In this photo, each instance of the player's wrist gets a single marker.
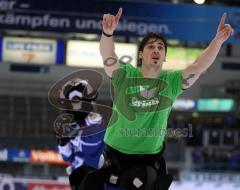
(63, 141)
(217, 41)
(106, 34)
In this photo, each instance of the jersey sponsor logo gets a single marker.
(144, 95)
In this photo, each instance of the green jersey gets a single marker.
(141, 108)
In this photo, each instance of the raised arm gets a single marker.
(107, 48)
(206, 59)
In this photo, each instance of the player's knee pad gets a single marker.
(138, 178)
(96, 179)
(162, 182)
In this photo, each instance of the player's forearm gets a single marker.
(206, 59)
(107, 48)
(65, 151)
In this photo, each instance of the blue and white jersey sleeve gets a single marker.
(84, 150)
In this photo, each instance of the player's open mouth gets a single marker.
(155, 59)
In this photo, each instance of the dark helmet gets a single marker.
(79, 90)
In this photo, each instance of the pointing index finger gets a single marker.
(119, 14)
(223, 19)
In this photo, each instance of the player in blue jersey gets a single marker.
(83, 152)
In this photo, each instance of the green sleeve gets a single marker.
(121, 74)
(175, 80)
